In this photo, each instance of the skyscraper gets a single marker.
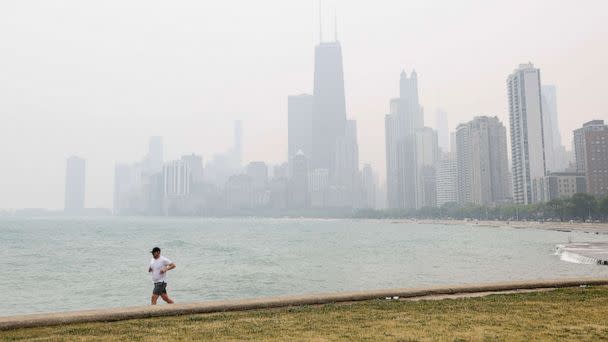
(443, 134)
(74, 184)
(318, 187)
(258, 172)
(554, 150)
(402, 164)
(481, 146)
(409, 105)
(177, 180)
(195, 165)
(527, 137)
(299, 124)
(298, 182)
(319, 134)
(447, 179)
(123, 188)
(177, 187)
(463, 164)
(591, 147)
(154, 160)
(369, 184)
(427, 149)
(393, 181)
(329, 108)
(580, 145)
(346, 168)
(427, 153)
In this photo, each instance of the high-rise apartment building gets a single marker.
(482, 164)
(447, 179)
(591, 148)
(580, 145)
(176, 179)
(464, 161)
(527, 137)
(74, 184)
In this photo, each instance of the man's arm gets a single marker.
(168, 268)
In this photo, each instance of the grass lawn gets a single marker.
(567, 314)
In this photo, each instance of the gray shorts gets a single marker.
(160, 288)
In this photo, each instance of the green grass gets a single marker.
(576, 314)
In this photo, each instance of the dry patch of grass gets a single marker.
(566, 314)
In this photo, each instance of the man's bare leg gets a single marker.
(166, 298)
(154, 299)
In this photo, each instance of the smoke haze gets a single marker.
(98, 78)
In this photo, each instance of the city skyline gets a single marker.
(104, 129)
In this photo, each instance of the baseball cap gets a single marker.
(155, 249)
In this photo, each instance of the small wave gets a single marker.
(583, 253)
(576, 258)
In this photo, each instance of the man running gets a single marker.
(159, 265)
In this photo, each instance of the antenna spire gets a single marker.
(335, 25)
(320, 22)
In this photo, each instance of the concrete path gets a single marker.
(118, 314)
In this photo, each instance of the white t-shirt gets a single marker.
(156, 265)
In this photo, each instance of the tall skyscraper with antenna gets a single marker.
(319, 121)
(329, 108)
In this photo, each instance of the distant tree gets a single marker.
(603, 208)
(582, 205)
(558, 207)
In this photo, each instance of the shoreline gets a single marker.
(591, 228)
(129, 313)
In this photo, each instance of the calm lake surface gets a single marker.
(64, 264)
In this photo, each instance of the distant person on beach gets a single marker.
(159, 265)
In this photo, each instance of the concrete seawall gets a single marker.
(119, 314)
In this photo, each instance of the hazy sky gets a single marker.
(97, 78)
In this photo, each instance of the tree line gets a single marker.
(579, 207)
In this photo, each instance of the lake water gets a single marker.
(72, 264)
